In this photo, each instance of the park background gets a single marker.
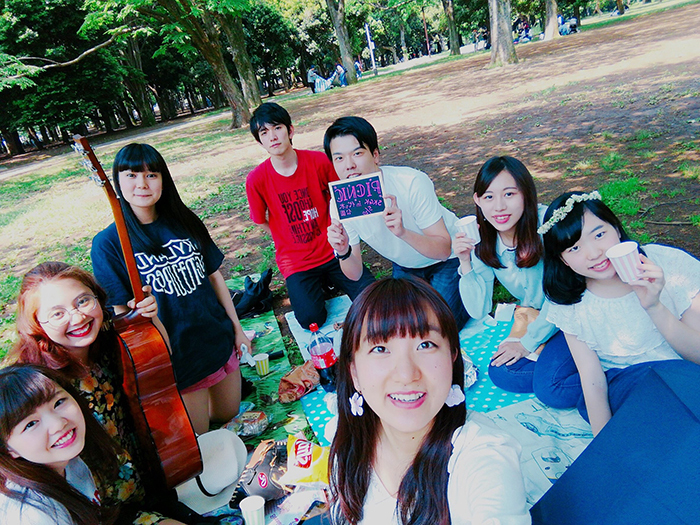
(615, 107)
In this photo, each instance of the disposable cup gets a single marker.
(262, 364)
(624, 258)
(253, 510)
(467, 225)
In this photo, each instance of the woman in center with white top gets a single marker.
(405, 451)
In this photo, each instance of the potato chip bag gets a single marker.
(306, 462)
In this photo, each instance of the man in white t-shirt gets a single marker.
(415, 230)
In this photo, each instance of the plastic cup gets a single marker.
(253, 510)
(467, 225)
(624, 258)
(262, 364)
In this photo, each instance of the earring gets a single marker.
(356, 402)
(455, 397)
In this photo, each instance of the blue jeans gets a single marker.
(555, 380)
(444, 278)
(306, 292)
(553, 377)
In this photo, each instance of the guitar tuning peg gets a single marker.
(96, 179)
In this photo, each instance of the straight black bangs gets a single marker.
(22, 390)
(136, 157)
(397, 308)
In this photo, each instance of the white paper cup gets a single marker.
(262, 364)
(624, 258)
(467, 225)
(253, 509)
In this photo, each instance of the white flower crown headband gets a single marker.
(560, 213)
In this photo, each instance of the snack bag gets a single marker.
(248, 424)
(262, 476)
(306, 462)
(301, 380)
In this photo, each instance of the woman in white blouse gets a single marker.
(405, 450)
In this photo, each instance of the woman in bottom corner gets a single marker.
(405, 451)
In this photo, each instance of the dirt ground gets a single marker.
(608, 104)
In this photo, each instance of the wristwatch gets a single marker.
(343, 257)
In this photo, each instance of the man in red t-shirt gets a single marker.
(288, 196)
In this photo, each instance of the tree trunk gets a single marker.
(448, 5)
(136, 84)
(402, 36)
(336, 9)
(285, 82)
(126, 116)
(233, 28)
(47, 135)
(105, 112)
(14, 144)
(551, 24)
(620, 6)
(205, 37)
(35, 139)
(577, 15)
(392, 50)
(502, 48)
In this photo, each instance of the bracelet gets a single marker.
(343, 257)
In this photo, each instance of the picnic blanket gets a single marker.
(286, 418)
(551, 439)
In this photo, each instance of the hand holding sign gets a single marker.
(393, 218)
(357, 197)
(338, 237)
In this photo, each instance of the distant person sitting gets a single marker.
(415, 230)
(288, 196)
(311, 77)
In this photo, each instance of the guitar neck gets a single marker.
(101, 179)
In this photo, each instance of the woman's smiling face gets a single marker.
(587, 256)
(405, 380)
(502, 204)
(52, 435)
(81, 328)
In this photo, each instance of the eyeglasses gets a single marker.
(59, 316)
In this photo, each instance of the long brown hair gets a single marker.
(529, 248)
(34, 345)
(386, 309)
(23, 388)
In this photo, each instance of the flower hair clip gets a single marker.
(561, 213)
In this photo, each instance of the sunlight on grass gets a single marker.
(690, 171)
(613, 161)
(622, 195)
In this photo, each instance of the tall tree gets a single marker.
(270, 37)
(135, 79)
(551, 29)
(448, 6)
(502, 48)
(199, 23)
(233, 28)
(336, 8)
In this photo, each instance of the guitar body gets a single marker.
(163, 427)
(162, 424)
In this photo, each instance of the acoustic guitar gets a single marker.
(163, 427)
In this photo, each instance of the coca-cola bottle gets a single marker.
(323, 357)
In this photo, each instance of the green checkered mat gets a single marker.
(287, 418)
(484, 396)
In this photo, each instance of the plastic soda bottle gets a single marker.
(323, 357)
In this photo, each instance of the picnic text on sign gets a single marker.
(357, 197)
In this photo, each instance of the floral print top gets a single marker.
(101, 388)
